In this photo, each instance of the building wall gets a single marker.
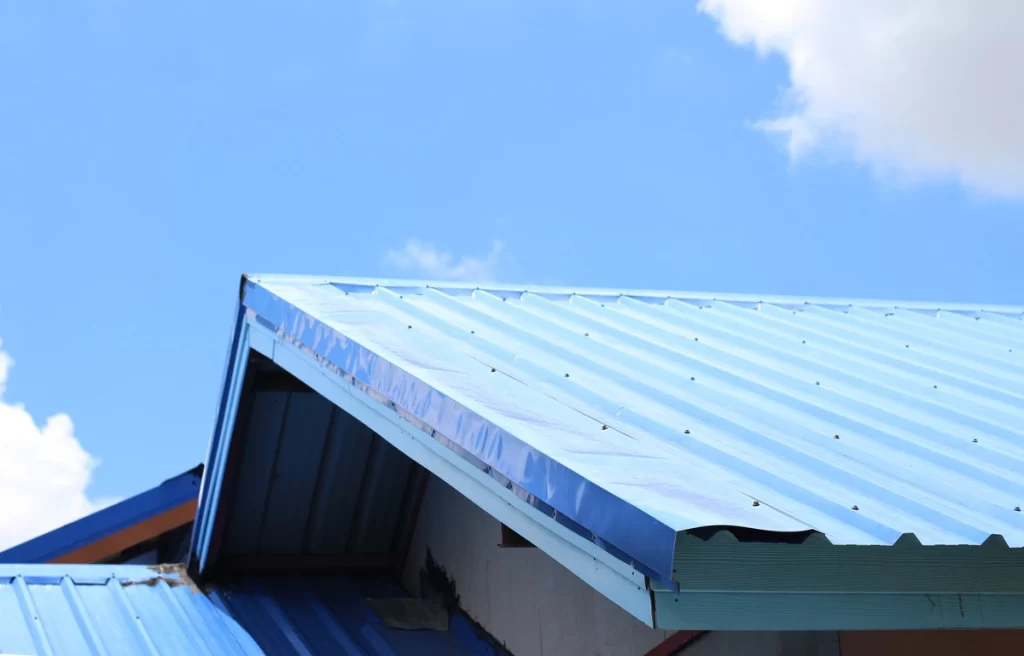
(767, 643)
(536, 607)
(521, 596)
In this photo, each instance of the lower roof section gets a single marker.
(135, 609)
(355, 616)
(118, 528)
(110, 609)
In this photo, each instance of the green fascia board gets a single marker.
(815, 585)
(823, 611)
(723, 563)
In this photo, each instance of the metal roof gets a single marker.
(336, 615)
(634, 416)
(136, 609)
(117, 527)
(118, 609)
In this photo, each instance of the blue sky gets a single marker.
(151, 154)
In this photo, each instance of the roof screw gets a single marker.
(687, 431)
(586, 334)
(410, 326)
(566, 375)
(855, 507)
(493, 370)
(1016, 508)
(692, 378)
(935, 387)
(836, 436)
(906, 346)
(604, 427)
(400, 296)
(975, 440)
(756, 503)
(696, 339)
(817, 382)
(472, 332)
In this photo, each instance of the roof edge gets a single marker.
(773, 299)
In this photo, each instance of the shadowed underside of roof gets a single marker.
(626, 412)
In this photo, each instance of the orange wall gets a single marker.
(129, 537)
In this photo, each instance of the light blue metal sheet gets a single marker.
(637, 415)
(111, 609)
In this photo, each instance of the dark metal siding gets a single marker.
(313, 480)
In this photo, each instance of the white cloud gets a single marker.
(915, 88)
(44, 471)
(426, 260)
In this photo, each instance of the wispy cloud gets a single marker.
(424, 259)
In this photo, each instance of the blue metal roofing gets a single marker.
(330, 615)
(111, 609)
(136, 609)
(71, 537)
(634, 416)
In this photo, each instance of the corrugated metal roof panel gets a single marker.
(330, 615)
(133, 609)
(99, 609)
(633, 414)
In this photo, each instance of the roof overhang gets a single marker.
(662, 574)
(620, 582)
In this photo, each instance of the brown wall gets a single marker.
(931, 643)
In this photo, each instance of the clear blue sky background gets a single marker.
(150, 155)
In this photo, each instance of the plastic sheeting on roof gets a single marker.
(103, 609)
(638, 415)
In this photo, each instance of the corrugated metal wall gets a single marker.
(312, 480)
